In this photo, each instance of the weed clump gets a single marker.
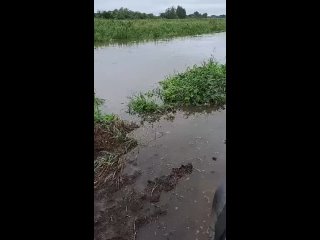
(197, 86)
(203, 85)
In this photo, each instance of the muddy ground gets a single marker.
(164, 186)
(110, 144)
(120, 210)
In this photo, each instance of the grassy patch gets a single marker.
(198, 86)
(146, 103)
(110, 141)
(99, 117)
(118, 31)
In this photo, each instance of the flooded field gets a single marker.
(194, 137)
(121, 71)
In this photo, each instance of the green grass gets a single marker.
(197, 86)
(110, 125)
(143, 103)
(119, 31)
(100, 117)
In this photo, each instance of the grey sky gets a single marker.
(211, 7)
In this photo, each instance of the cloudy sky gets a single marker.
(212, 7)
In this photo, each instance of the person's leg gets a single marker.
(220, 226)
(218, 218)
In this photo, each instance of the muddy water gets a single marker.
(121, 71)
(168, 144)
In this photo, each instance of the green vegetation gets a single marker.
(123, 13)
(144, 103)
(97, 111)
(181, 12)
(99, 117)
(147, 103)
(110, 138)
(170, 13)
(117, 31)
(110, 132)
(198, 86)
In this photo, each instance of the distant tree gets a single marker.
(170, 13)
(104, 14)
(196, 14)
(122, 13)
(181, 12)
(205, 15)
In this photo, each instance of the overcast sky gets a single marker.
(212, 7)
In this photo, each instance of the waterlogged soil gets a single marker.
(106, 139)
(165, 183)
(111, 141)
(166, 188)
(119, 213)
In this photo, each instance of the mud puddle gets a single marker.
(196, 138)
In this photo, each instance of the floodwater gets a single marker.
(196, 137)
(168, 144)
(122, 71)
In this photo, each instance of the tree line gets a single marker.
(170, 13)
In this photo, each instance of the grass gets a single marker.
(118, 31)
(203, 85)
(197, 86)
(143, 103)
(99, 117)
(147, 103)
(111, 139)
